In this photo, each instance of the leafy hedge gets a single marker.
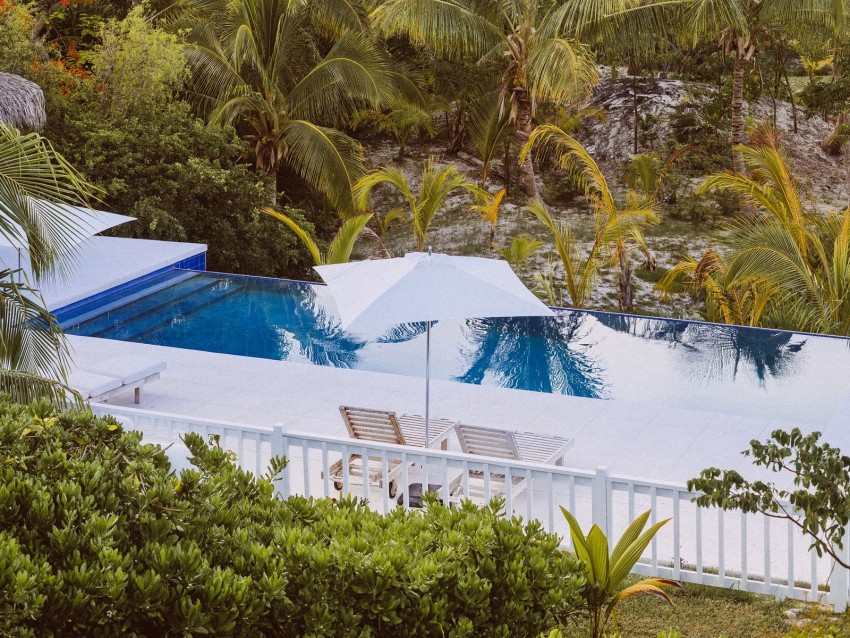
(98, 537)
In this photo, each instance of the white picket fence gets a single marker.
(699, 545)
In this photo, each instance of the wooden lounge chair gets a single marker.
(118, 375)
(382, 426)
(516, 446)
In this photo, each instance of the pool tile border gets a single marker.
(195, 262)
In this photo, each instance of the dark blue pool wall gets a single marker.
(195, 262)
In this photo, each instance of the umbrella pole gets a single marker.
(427, 384)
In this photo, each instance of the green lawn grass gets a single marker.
(710, 612)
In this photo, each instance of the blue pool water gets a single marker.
(780, 374)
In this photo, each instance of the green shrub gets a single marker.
(184, 181)
(99, 537)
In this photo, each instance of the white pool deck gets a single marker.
(632, 439)
(105, 262)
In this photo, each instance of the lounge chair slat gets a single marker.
(521, 446)
(382, 426)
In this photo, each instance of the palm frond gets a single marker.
(305, 238)
(560, 70)
(445, 26)
(354, 71)
(520, 250)
(341, 246)
(385, 175)
(35, 184)
(326, 159)
(489, 126)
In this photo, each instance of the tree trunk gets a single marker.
(845, 151)
(401, 149)
(492, 236)
(523, 131)
(627, 302)
(831, 144)
(458, 128)
(508, 162)
(790, 93)
(738, 112)
(635, 110)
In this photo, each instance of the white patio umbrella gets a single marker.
(427, 287)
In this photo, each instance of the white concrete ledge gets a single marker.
(107, 262)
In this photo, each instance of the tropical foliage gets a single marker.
(402, 121)
(820, 475)
(787, 267)
(36, 187)
(196, 116)
(421, 207)
(525, 40)
(260, 64)
(618, 225)
(742, 26)
(605, 572)
(340, 248)
(100, 535)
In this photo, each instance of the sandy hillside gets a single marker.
(461, 231)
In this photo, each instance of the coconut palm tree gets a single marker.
(435, 185)
(526, 40)
(788, 267)
(34, 183)
(618, 224)
(289, 73)
(741, 25)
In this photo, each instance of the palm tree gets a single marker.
(488, 128)
(634, 33)
(741, 25)
(35, 182)
(519, 251)
(788, 268)
(341, 246)
(402, 121)
(618, 224)
(259, 64)
(525, 39)
(435, 186)
(488, 208)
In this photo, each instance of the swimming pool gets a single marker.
(743, 371)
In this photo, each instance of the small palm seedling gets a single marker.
(606, 572)
(488, 207)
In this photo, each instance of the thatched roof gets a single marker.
(21, 103)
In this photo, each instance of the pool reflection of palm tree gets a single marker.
(404, 332)
(533, 353)
(319, 336)
(713, 349)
